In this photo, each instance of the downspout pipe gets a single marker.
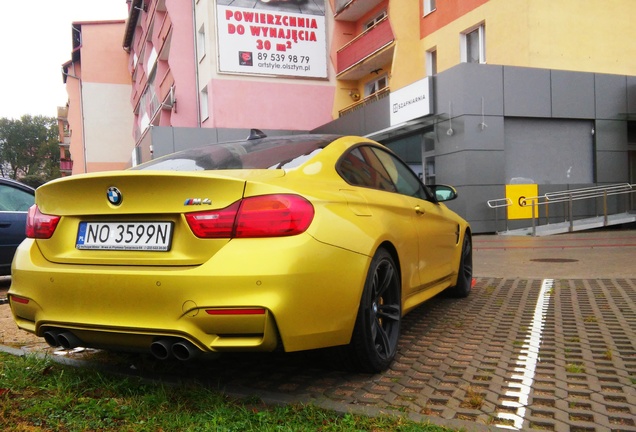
(196, 62)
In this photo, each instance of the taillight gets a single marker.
(260, 216)
(273, 216)
(213, 224)
(40, 225)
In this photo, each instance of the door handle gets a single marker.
(419, 210)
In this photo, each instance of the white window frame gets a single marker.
(203, 102)
(375, 20)
(201, 43)
(431, 62)
(464, 38)
(429, 6)
(151, 63)
(373, 87)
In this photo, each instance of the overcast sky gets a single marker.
(35, 40)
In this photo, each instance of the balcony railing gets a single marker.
(365, 45)
(381, 94)
(66, 164)
(352, 10)
(340, 4)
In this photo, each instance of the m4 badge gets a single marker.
(197, 201)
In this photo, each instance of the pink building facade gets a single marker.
(96, 132)
(183, 92)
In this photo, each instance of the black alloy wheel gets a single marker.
(465, 272)
(377, 330)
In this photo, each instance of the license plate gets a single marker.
(133, 236)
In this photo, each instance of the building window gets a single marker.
(376, 85)
(474, 45)
(431, 62)
(375, 20)
(429, 171)
(203, 101)
(429, 6)
(201, 43)
(152, 61)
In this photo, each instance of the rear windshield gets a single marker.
(266, 153)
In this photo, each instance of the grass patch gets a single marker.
(473, 399)
(574, 368)
(39, 394)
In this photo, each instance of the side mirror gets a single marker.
(444, 192)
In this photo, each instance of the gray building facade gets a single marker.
(495, 126)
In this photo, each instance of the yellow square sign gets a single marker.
(517, 194)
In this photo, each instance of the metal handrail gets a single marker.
(501, 202)
(591, 192)
(567, 196)
(498, 203)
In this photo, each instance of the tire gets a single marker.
(377, 329)
(465, 272)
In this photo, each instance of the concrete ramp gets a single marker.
(577, 225)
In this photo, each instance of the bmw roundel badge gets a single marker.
(114, 196)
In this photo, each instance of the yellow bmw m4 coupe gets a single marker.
(290, 243)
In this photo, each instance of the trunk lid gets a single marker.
(159, 198)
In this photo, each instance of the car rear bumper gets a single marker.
(250, 294)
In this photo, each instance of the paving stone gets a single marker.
(483, 360)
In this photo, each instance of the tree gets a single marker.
(29, 149)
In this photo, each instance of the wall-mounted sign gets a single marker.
(269, 40)
(519, 195)
(411, 102)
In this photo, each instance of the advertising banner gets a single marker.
(272, 40)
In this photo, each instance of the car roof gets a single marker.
(251, 153)
(11, 182)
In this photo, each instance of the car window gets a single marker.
(406, 182)
(361, 167)
(267, 153)
(14, 199)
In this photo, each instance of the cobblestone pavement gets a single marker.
(492, 360)
(522, 353)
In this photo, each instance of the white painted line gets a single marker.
(527, 362)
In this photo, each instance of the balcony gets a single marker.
(66, 141)
(352, 10)
(367, 52)
(364, 102)
(66, 165)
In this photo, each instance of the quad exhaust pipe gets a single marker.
(184, 350)
(61, 338)
(180, 349)
(161, 349)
